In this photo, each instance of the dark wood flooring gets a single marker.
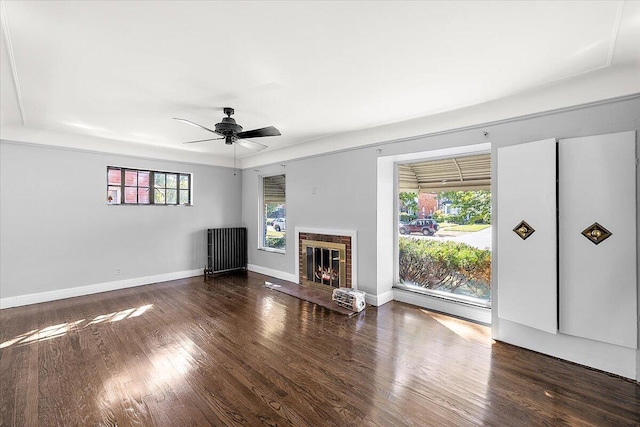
(232, 352)
(308, 293)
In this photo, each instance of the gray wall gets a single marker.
(57, 231)
(346, 182)
(346, 199)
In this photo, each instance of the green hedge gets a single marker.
(448, 266)
(275, 242)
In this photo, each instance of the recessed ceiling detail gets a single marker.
(325, 84)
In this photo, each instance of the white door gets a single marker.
(598, 283)
(527, 287)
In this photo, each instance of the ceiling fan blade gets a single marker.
(194, 124)
(202, 140)
(257, 133)
(252, 145)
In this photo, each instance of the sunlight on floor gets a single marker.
(61, 329)
(274, 315)
(467, 330)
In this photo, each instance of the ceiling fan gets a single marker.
(231, 132)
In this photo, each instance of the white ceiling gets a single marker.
(110, 75)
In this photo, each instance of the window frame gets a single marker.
(120, 189)
(262, 220)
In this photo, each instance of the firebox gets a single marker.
(324, 264)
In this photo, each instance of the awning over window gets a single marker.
(452, 174)
(274, 190)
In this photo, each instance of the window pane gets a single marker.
(115, 176)
(184, 181)
(143, 195)
(130, 178)
(459, 268)
(274, 211)
(172, 197)
(158, 180)
(113, 195)
(130, 195)
(184, 197)
(133, 186)
(143, 179)
(172, 180)
(158, 196)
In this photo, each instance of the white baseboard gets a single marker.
(466, 311)
(273, 273)
(378, 300)
(606, 357)
(27, 299)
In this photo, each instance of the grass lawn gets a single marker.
(469, 228)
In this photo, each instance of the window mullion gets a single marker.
(122, 186)
(152, 186)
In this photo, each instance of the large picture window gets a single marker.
(145, 187)
(444, 227)
(274, 213)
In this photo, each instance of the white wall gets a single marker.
(346, 198)
(59, 237)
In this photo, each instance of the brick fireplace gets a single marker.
(325, 258)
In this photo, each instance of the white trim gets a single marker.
(614, 34)
(472, 117)
(12, 62)
(379, 300)
(354, 249)
(467, 311)
(442, 153)
(611, 358)
(282, 275)
(27, 299)
(262, 219)
(11, 139)
(273, 250)
(387, 215)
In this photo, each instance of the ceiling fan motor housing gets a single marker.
(228, 127)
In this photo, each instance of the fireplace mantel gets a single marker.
(330, 232)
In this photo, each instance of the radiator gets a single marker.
(226, 250)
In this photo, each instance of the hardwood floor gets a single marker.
(232, 352)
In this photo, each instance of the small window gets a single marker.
(274, 213)
(143, 187)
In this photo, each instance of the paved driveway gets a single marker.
(479, 239)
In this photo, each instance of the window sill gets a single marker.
(273, 250)
(466, 310)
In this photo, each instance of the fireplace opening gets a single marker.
(324, 264)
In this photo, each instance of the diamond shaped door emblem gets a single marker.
(596, 233)
(524, 230)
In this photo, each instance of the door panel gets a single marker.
(598, 284)
(527, 268)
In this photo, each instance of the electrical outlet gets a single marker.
(117, 271)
